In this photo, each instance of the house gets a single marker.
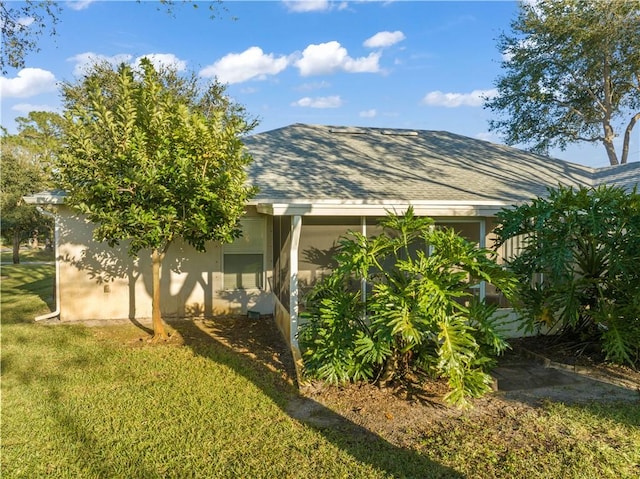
(316, 184)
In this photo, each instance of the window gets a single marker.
(244, 258)
(243, 271)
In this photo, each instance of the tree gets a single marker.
(572, 74)
(24, 23)
(419, 317)
(39, 135)
(19, 177)
(26, 168)
(578, 266)
(151, 156)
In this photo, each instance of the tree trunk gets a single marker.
(627, 138)
(389, 370)
(608, 144)
(609, 134)
(16, 247)
(158, 325)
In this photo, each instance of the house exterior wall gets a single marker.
(100, 282)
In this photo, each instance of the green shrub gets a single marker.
(579, 267)
(420, 314)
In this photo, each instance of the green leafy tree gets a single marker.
(26, 168)
(571, 75)
(19, 221)
(578, 266)
(420, 315)
(151, 156)
(24, 23)
(38, 140)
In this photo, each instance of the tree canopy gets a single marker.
(571, 74)
(19, 177)
(23, 23)
(26, 168)
(151, 156)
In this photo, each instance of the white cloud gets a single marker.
(240, 67)
(300, 6)
(29, 82)
(84, 61)
(384, 39)
(27, 107)
(331, 57)
(79, 4)
(486, 136)
(159, 60)
(319, 102)
(368, 113)
(25, 21)
(454, 100)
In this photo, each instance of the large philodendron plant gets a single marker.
(420, 314)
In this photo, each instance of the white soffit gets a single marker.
(55, 197)
(361, 208)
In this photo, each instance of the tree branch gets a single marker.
(627, 137)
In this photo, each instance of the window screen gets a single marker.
(243, 271)
(244, 258)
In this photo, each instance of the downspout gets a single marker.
(56, 312)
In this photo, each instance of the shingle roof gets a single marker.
(312, 162)
(626, 176)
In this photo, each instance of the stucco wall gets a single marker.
(100, 282)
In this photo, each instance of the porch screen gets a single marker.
(244, 258)
(319, 242)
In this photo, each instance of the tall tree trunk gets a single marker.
(627, 138)
(608, 144)
(16, 247)
(158, 325)
(609, 133)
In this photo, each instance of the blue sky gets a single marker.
(391, 64)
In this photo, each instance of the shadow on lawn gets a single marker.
(274, 374)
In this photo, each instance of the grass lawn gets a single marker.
(80, 402)
(26, 255)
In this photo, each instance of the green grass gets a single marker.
(26, 255)
(557, 441)
(81, 402)
(27, 291)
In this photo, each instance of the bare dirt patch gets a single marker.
(403, 413)
(577, 356)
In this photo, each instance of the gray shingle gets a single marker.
(312, 162)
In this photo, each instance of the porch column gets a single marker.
(296, 229)
(483, 244)
(363, 281)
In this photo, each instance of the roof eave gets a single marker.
(55, 197)
(379, 208)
